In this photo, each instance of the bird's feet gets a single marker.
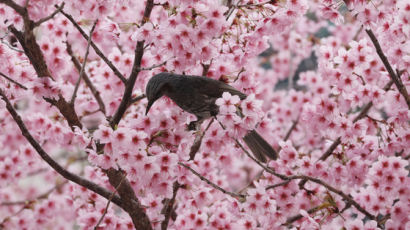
(192, 126)
(195, 125)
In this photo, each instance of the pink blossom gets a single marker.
(307, 83)
(103, 134)
(227, 103)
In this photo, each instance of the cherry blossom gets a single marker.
(332, 100)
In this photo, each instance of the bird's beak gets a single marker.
(148, 107)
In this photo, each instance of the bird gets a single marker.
(197, 95)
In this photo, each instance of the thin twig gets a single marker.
(357, 33)
(278, 184)
(40, 197)
(153, 66)
(83, 66)
(360, 77)
(294, 218)
(108, 203)
(169, 204)
(39, 22)
(271, 171)
(198, 141)
(331, 148)
(231, 9)
(257, 177)
(254, 4)
(334, 190)
(87, 80)
(294, 124)
(289, 132)
(308, 178)
(137, 98)
(361, 115)
(50, 161)
(13, 81)
(239, 73)
(234, 195)
(312, 179)
(95, 47)
(10, 46)
(396, 79)
(7, 218)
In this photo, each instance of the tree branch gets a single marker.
(289, 132)
(13, 81)
(19, 9)
(168, 208)
(137, 98)
(271, 171)
(308, 178)
(77, 85)
(278, 184)
(153, 66)
(35, 55)
(87, 80)
(32, 50)
(130, 202)
(361, 115)
(198, 141)
(396, 79)
(58, 168)
(346, 197)
(292, 219)
(139, 52)
(9, 45)
(234, 195)
(39, 22)
(108, 204)
(40, 197)
(126, 192)
(95, 47)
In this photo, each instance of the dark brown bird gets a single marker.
(197, 95)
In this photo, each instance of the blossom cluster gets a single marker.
(318, 88)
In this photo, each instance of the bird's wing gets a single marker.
(213, 88)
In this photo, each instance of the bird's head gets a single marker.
(156, 88)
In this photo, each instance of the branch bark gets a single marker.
(77, 85)
(168, 208)
(50, 161)
(95, 47)
(198, 141)
(139, 52)
(396, 79)
(130, 202)
(234, 195)
(35, 55)
(39, 22)
(308, 178)
(361, 115)
(108, 205)
(126, 192)
(87, 80)
(13, 81)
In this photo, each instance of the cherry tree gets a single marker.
(78, 152)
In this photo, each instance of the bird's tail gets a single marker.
(259, 147)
